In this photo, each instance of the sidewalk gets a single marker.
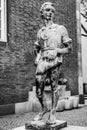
(76, 117)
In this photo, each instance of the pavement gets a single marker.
(65, 128)
(74, 117)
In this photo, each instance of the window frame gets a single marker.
(3, 21)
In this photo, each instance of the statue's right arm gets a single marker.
(37, 49)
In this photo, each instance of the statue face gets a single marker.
(48, 12)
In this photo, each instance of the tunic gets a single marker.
(48, 39)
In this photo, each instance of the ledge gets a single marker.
(7, 109)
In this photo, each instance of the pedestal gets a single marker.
(41, 125)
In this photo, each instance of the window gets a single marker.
(3, 28)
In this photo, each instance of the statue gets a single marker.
(52, 42)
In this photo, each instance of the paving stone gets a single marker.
(66, 128)
(76, 117)
(74, 128)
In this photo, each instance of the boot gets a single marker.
(40, 115)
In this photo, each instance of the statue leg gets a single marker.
(39, 92)
(55, 94)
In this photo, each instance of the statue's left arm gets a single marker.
(67, 42)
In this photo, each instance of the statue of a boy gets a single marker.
(52, 42)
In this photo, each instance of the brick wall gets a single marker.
(17, 71)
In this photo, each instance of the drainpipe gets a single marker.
(80, 77)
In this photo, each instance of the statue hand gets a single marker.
(52, 54)
(37, 58)
(62, 50)
(58, 50)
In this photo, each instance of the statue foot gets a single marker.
(52, 119)
(38, 117)
(51, 122)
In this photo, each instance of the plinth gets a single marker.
(42, 125)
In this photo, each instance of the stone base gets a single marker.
(41, 125)
(65, 128)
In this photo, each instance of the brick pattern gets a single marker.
(17, 71)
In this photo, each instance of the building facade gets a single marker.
(19, 22)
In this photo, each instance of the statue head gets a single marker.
(47, 11)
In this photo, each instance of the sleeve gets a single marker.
(65, 37)
(37, 44)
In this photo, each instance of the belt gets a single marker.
(46, 49)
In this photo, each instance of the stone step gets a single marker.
(86, 102)
(65, 100)
(66, 128)
(74, 128)
(85, 96)
(65, 94)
